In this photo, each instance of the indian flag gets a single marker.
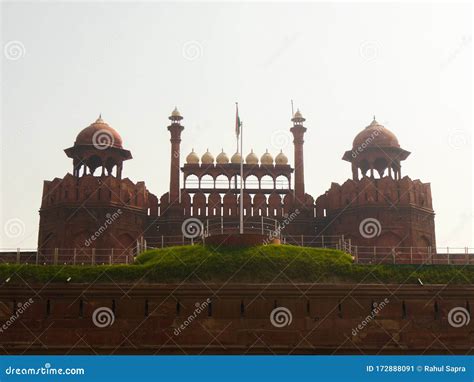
(237, 120)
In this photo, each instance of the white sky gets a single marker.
(410, 65)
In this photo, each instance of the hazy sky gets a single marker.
(64, 63)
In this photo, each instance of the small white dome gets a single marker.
(207, 158)
(266, 158)
(281, 159)
(251, 158)
(236, 158)
(222, 158)
(192, 158)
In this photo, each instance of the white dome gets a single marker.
(236, 158)
(207, 158)
(192, 158)
(281, 159)
(266, 158)
(222, 158)
(251, 158)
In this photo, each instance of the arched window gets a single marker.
(192, 181)
(266, 182)
(222, 181)
(207, 181)
(282, 183)
(251, 182)
(235, 182)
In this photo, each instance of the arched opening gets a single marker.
(380, 165)
(251, 182)
(282, 183)
(109, 165)
(235, 182)
(222, 181)
(266, 182)
(207, 181)
(191, 181)
(93, 163)
(364, 167)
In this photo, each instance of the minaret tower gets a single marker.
(175, 130)
(298, 131)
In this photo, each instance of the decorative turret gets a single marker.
(98, 146)
(376, 148)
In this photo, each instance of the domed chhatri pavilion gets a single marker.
(76, 208)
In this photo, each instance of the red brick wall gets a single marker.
(323, 319)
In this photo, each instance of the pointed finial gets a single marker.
(175, 115)
(298, 117)
(374, 122)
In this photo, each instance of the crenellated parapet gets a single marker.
(375, 192)
(93, 191)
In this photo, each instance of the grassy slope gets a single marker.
(272, 263)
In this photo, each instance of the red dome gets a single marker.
(99, 134)
(375, 135)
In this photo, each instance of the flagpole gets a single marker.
(237, 126)
(241, 180)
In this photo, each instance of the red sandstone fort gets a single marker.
(398, 210)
